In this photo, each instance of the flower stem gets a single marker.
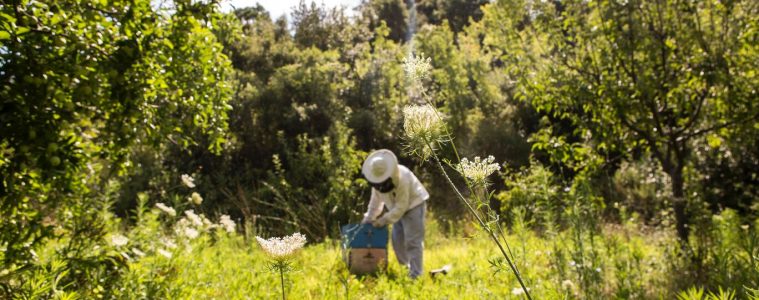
(484, 226)
(282, 281)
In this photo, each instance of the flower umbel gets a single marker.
(166, 209)
(194, 218)
(478, 170)
(119, 240)
(417, 67)
(190, 232)
(226, 222)
(195, 198)
(282, 248)
(518, 291)
(164, 253)
(188, 181)
(423, 127)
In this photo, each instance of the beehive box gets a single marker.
(364, 247)
(367, 260)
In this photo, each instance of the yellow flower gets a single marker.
(195, 198)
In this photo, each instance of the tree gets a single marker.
(82, 81)
(318, 26)
(393, 12)
(655, 75)
(457, 13)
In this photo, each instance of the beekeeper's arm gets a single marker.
(375, 207)
(402, 203)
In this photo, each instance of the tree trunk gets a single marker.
(678, 192)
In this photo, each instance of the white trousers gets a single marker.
(408, 239)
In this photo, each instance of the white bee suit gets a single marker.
(406, 209)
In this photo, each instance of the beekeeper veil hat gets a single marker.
(379, 166)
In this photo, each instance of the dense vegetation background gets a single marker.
(601, 112)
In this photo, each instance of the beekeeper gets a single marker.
(400, 191)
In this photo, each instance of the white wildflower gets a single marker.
(119, 240)
(567, 284)
(182, 223)
(282, 248)
(138, 252)
(195, 198)
(518, 291)
(227, 223)
(169, 243)
(190, 232)
(165, 208)
(417, 67)
(206, 222)
(165, 253)
(188, 181)
(478, 170)
(423, 127)
(195, 219)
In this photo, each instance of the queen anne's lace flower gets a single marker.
(417, 67)
(518, 291)
(190, 232)
(282, 248)
(138, 252)
(166, 209)
(567, 284)
(119, 240)
(195, 219)
(422, 126)
(478, 170)
(188, 181)
(165, 253)
(169, 243)
(195, 198)
(227, 223)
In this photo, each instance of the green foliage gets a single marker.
(646, 105)
(725, 248)
(698, 294)
(652, 75)
(320, 27)
(641, 187)
(315, 189)
(456, 14)
(227, 266)
(535, 192)
(378, 93)
(82, 82)
(392, 13)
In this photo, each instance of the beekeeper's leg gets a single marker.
(399, 243)
(413, 232)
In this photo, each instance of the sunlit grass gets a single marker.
(232, 268)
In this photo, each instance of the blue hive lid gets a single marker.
(364, 236)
